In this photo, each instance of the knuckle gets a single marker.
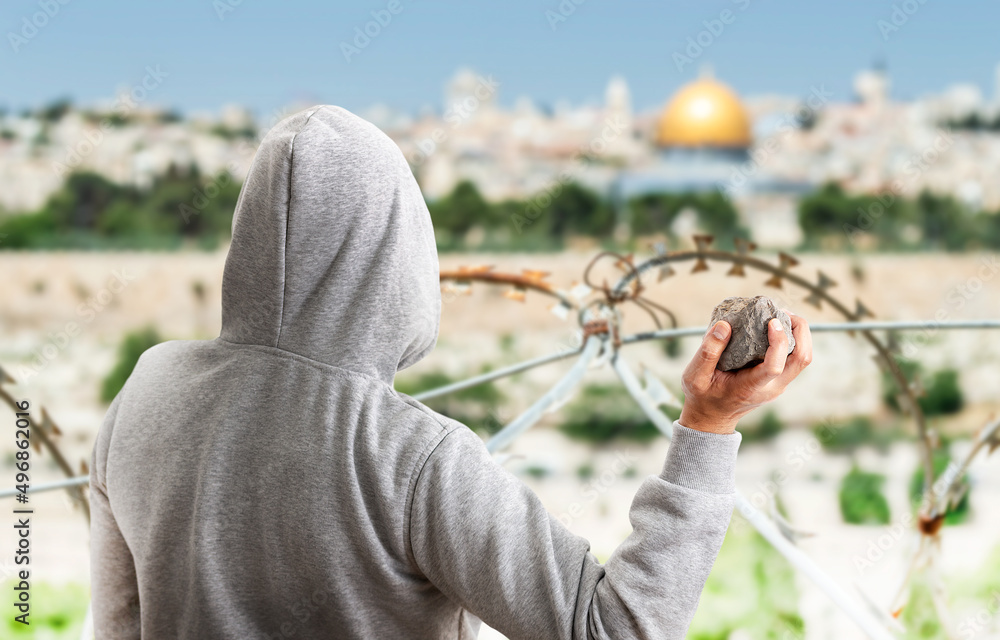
(689, 387)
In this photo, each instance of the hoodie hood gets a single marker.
(333, 254)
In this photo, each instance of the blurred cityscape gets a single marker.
(894, 202)
(790, 168)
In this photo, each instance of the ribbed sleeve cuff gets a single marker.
(702, 461)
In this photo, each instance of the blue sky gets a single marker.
(265, 54)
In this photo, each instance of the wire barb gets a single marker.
(702, 242)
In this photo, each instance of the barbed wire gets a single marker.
(934, 505)
(44, 434)
(600, 321)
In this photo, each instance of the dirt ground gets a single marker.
(64, 314)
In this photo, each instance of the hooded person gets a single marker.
(271, 483)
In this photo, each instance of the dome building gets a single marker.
(703, 138)
(705, 114)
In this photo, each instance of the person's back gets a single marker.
(271, 483)
(264, 494)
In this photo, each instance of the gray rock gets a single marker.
(749, 317)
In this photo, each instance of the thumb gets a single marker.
(712, 346)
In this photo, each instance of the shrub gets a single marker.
(672, 347)
(602, 429)
(942, 393)
(603, 413)
(846, 436)
(537, 472)
(861, 498)
(769, 426)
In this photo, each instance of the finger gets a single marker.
(702, 367)
(774, 358)
(802, 355)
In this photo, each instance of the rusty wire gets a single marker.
(629, 288)
(44, 435)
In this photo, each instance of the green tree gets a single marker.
(90, 210)
(82, 199)
(825, 212)
(718, 216)
(462, 209)
(944, 222)
(656, 212)
(578, 210)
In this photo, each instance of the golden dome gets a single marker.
(705, 113)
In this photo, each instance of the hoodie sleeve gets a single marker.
(484, 539)
(114, 590)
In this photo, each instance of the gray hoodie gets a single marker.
(271, 483)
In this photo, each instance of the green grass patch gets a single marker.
(57, 612)
(751, 588)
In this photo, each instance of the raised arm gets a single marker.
(485, 540)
